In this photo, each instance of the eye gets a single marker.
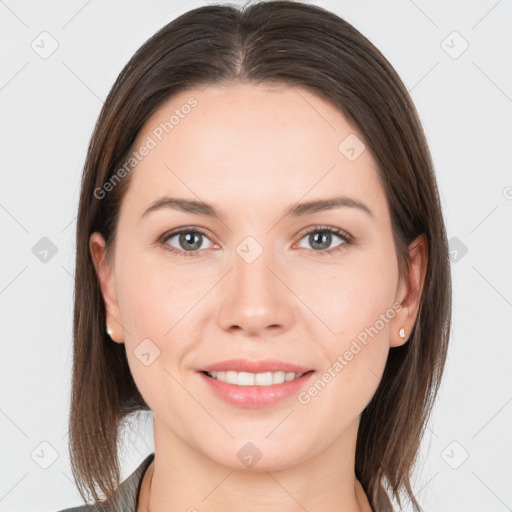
(321, 237)
(188, 240)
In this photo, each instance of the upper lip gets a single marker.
(243, 365)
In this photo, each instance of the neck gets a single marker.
(324, 481)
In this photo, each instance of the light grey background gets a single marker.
(48, 110)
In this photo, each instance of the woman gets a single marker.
(260, 235)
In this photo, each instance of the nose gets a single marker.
(255, 299)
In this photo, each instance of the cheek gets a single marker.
(352, 295)
(355, 306)
(154, 297)
(157, 304)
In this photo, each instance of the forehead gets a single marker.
(255, 145)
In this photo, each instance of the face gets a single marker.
(254, 276)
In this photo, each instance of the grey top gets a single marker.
(127, 495)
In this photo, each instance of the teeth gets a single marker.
(254, 379)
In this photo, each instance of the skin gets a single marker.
(253, 151)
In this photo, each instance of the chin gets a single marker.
(260, 455)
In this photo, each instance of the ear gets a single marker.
(107, 283)
(409, 291)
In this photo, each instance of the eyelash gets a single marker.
(347, 239)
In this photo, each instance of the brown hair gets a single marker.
(280, 42)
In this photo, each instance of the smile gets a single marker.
(254, 379)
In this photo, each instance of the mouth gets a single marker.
(255, 384)
(254, 379)
(235, 384)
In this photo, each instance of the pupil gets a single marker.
(188, 238)
(324, 244)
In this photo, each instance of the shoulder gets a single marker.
(126, 496)
(85, 508)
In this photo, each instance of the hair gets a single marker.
(295, 44)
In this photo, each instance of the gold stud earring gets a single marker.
(401, 333)
(109, 331)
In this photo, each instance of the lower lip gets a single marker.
(256, 396)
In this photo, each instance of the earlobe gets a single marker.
(105, 277)
(410, 291)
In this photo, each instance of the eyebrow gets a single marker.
(297, 210)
